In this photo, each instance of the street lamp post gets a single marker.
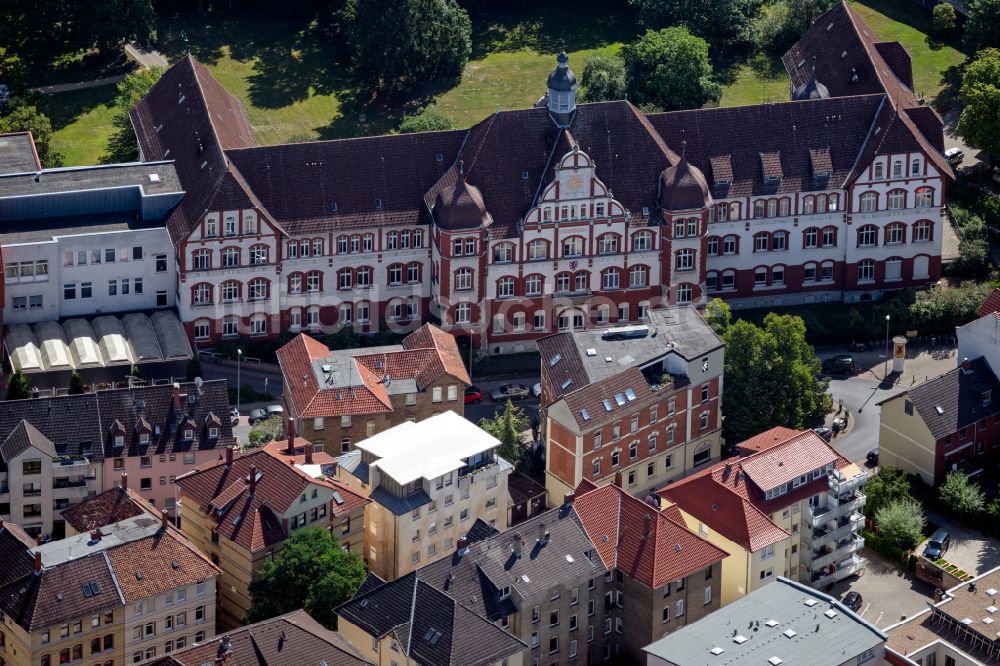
(239, 356)
(885, 372)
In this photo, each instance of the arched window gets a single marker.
(779, 240)
(869, 202)
(317, 246)
(413, 271)
(304, 248)
(368, 242)
(895, 233)
(563, 282)
(295, 318)
(258, 324)
(231, 256)
(607, 244)
(538, 249)
(712, 246)
(342, 244)
(392, 240)
(760, 241)
(808, 205)
(363, 277)
(826, 271)
(314, 281)
(712, 280)
(642, 241)
(611, 278)
(505, 287)
(923, 231)
(258, 255)
(463, 279)
(581, 281)
(202, 329)
(893, 269)
(201, 294)
(924, 197)
(503, 253)
(395, 274)
(721, 212)
(833, 202)
(463, 313)
(312, 315)
(810, 237)
(784, 206)
(734, 210)
(778, 274)
(294, 283)
(231, 291)
(921, 266)
(867, 235)
(809, 272)
(292, 249)
(573, 246)
(345, 279)
(638, 276)
(703, 453)
(201, 260)
(362, 312)
(820, 204)
(533, 285)
(866, 270)
(772, 207)
(730, 244)
(258, 289)
(758, 208)
(729, 279)
(829, 236)
(230, 326)
(897, 199)
(684, 260)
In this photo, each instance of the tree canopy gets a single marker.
(508, 426)
(313, 572)
(23, 116)
(266, 431)
(889, 485)
(669, 69)
(772, 377)
(122, 146)
(18, 385)
(982, 19)
(901, 521)
(402, 44)
(726, 23)
(603, 79)
(76, 386)
(979, 123)
(961, 495)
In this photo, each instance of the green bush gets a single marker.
(426, 121)
(943, 19)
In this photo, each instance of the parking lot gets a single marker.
(887, 592)
(969, 549)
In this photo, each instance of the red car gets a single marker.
(473, 395)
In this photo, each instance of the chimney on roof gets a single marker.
(124, 481)
(290, 428)
(543, 534)
(568, 499)
(463, 545)
(177, 397)
(965, 364)
(516, 544)
(308, 449)
(646, 520)
(164, 519)
(38, 561)
(96, 535)
(618, 479)
(253, 480)
(229, 456)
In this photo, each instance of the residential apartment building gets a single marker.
(241, 509)
(428, 481)
(112, 506)
(60, 450)
(560, 216)
(63, 227)
(954, 630)
(784, 623)
(124, 593)
(946, 423)
(790, 506)
(641, 400)
(592, 580)
(293, 639)
(339, 398)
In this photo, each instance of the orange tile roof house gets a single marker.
(340, 397)
(790, 506)
(122, 593)
(239, 510)
(109, 507)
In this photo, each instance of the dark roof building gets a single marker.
(18, 154)
(111, 506)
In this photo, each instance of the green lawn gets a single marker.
(934, 64)
(81, 122)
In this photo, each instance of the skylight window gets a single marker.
(809, 602)
(555, 359)
(607, 404)
(772, 623)
(619, 399)
(939, 409)
(774, 661)
(591, 352)
(630, 394)
(739, 639)
(585, 414)
(566, 384)
(716, 651)
(830, 613)
(91, 589)
(337, 497)
(789, 633)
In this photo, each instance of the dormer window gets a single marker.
(143, 438)
(213, 433)
(504, 592)
(188, 435)
(119, 440)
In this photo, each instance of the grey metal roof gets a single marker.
(17, 153)
(14, 231)
(170, 335)
(783, 619)
(399, 505)
(352, 463)
(72, 179)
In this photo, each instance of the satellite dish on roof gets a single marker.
(198, 381)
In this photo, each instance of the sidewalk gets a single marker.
(146, 59)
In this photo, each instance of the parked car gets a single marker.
(234, 415)
(274, 410)
(536, 390)
(853, 600)
(255, 415)
(510, 392)
(824, 432)
(954, 155)
(840, 364)
(938, 545)
(473, 395)
(872, 457)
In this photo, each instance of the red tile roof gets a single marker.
(651, 546)
(766, 439)
(109, 507)
(449, 358)
(727, 497)
(991, 305)
(158, 563)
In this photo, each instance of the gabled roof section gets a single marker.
(157, 563)
(25, 436)
(640, 540)
(433, 629)
(957, 399)
(445, 347)
(991, 305)
(785, 462)
(109, 507)
(766, 439)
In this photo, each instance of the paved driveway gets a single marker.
(969, 549)
(887, 591)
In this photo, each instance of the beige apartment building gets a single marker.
(240, 510)
(428, 482)
(122, 594)
(340, 397)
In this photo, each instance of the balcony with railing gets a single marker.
(842, 529)
(816, 560)
(838, 506)
(841, 484)
(846, 568)
(65, 465)
(69, 482)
